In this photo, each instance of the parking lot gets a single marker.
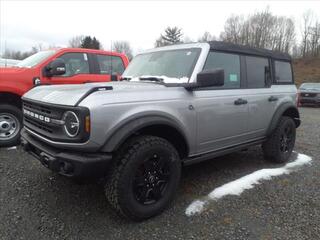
(38, 204)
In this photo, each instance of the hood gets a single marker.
(311, 90)
(12, 70)
(15, 74)
(72, 94)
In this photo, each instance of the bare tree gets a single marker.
(123, 47)
(262, 30)
(206, 37)
(76, 41)
(19, 55)
(306, 30)
(315, 39)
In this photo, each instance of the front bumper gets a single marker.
(309, 101)
(67, 163)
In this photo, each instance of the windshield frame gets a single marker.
(199, 63)
(50, 54)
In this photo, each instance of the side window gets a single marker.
(258, 71)
(76, 63)
(230, 63)
(283, 72)
(110, 64)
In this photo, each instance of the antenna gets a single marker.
(111, 60)
(5, 49)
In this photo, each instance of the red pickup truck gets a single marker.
(60, 66)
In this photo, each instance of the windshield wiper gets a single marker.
(152, 79)
(125, 78)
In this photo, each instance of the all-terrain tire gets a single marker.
(119, 187)
(12, 115)
(280, 143)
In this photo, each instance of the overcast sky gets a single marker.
(28, 23)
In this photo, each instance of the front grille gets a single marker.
(46, 120)
(40, 118)
(39, 108)
(308, 94)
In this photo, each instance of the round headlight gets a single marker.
(71, 124)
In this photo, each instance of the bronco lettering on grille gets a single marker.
(36, 116)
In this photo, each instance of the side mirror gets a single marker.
(56, 67)
(210, 78)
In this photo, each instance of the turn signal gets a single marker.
(87, 124)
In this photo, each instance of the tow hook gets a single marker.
(49, 161)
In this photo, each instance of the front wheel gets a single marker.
(279, 145)
(145, 177)
(10, 125)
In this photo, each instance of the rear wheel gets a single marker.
(279, 145)
(145, 178)
(10, 125)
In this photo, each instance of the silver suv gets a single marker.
(175, 106)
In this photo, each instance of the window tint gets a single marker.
(110, 64)
(257, 71)
(230, 63)
(283, 72)
(76, 63)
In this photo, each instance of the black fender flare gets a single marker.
(128, 128)
(282, 109)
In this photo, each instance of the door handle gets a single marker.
(240, 101)
(272, 99)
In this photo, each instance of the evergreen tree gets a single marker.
(91, 43)
(171, 36)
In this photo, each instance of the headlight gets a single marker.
(71, 123)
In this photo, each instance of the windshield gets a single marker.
(170, 66)
(34, 59)
(310, 86)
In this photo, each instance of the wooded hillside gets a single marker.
(306, 70)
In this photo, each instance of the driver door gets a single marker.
(77, 69)
(222, 120)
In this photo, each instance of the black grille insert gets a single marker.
(308, 94)
(38, 124)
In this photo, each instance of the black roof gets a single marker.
(230, 47)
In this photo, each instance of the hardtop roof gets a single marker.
(230, 47)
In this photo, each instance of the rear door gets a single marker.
(222, 113)
(106, 65)
(262, 98)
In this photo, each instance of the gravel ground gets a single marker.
(38, 204)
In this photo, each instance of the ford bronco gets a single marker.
(175, 106)
(60, 66)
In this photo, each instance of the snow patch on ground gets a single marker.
(247, 182)
(12, 148)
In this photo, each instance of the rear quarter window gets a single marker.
(283, 72)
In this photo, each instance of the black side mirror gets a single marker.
(210, 78)
(56, 67)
